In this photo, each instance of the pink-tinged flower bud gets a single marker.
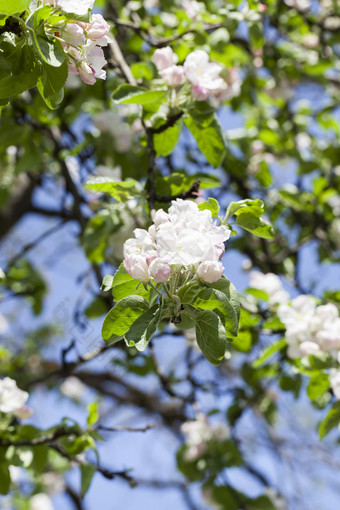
(159, 270)
(199, 93)
(86, 73)
(163, 58)
(137, 267)
(173, 76)
(210, 271)
(23, 413)
(98, 28)
(73, 34)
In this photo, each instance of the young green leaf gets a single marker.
(130, 94)
(87, 471)
(93, 414)
(166, 141)
(317, 386)
(13, 6)
(123, 285)
(120, 190)
(215, 300)
(211, 205)
(143, 329)
(209, 139)
(120, 318)
(331, 421)
(210, 335)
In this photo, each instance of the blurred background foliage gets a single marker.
(58, 240)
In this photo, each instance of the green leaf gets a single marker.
(143, 329)
(130, 94)
(87, 471)
(120, 318)
(179, 182)
(124, 285)
(332, 420)
(19, 69)
(120, 190)
(209, 139)
(107, 283)
(93, 414)
(255, 225)
(243, 341)
(269, 351)
(225, 286)
(317, 386)
(53, 102)
(51, 52)
(247, 205)
(52, 79)
(189, 291)
(215, 300)
(13, 6)
(40, 456)
(5, 478)
(248, 214)
(166, 141)
(211, 205)
(210, 335)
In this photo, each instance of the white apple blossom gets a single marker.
(97, 30)
(203, 75)
(310, 328)
(173, 75)
(41, 502)
(73, 34)
(271, 284)
(184, 237)
(164, 58)
(79, 7)
(210, 271)
(11, 397)
(198, 434)
(159, 270)
(192, 8)
(137, 267)
(73, 388)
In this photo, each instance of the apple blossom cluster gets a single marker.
(184, 237)
(203, 76)
(271, 284)
(82, 41)
(79, 7)
(12, 399)
(310, 329)
(198, 435)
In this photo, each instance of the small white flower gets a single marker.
(41, 502)
(164, 58)
(11, 397)
(271, 284)
(80, 7)
(73, 388)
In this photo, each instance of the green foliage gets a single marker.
(129, 94)
(120, 318)
(210, 335)
(331, 421)
(248, 216)
(208, 135)
(13, 7)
